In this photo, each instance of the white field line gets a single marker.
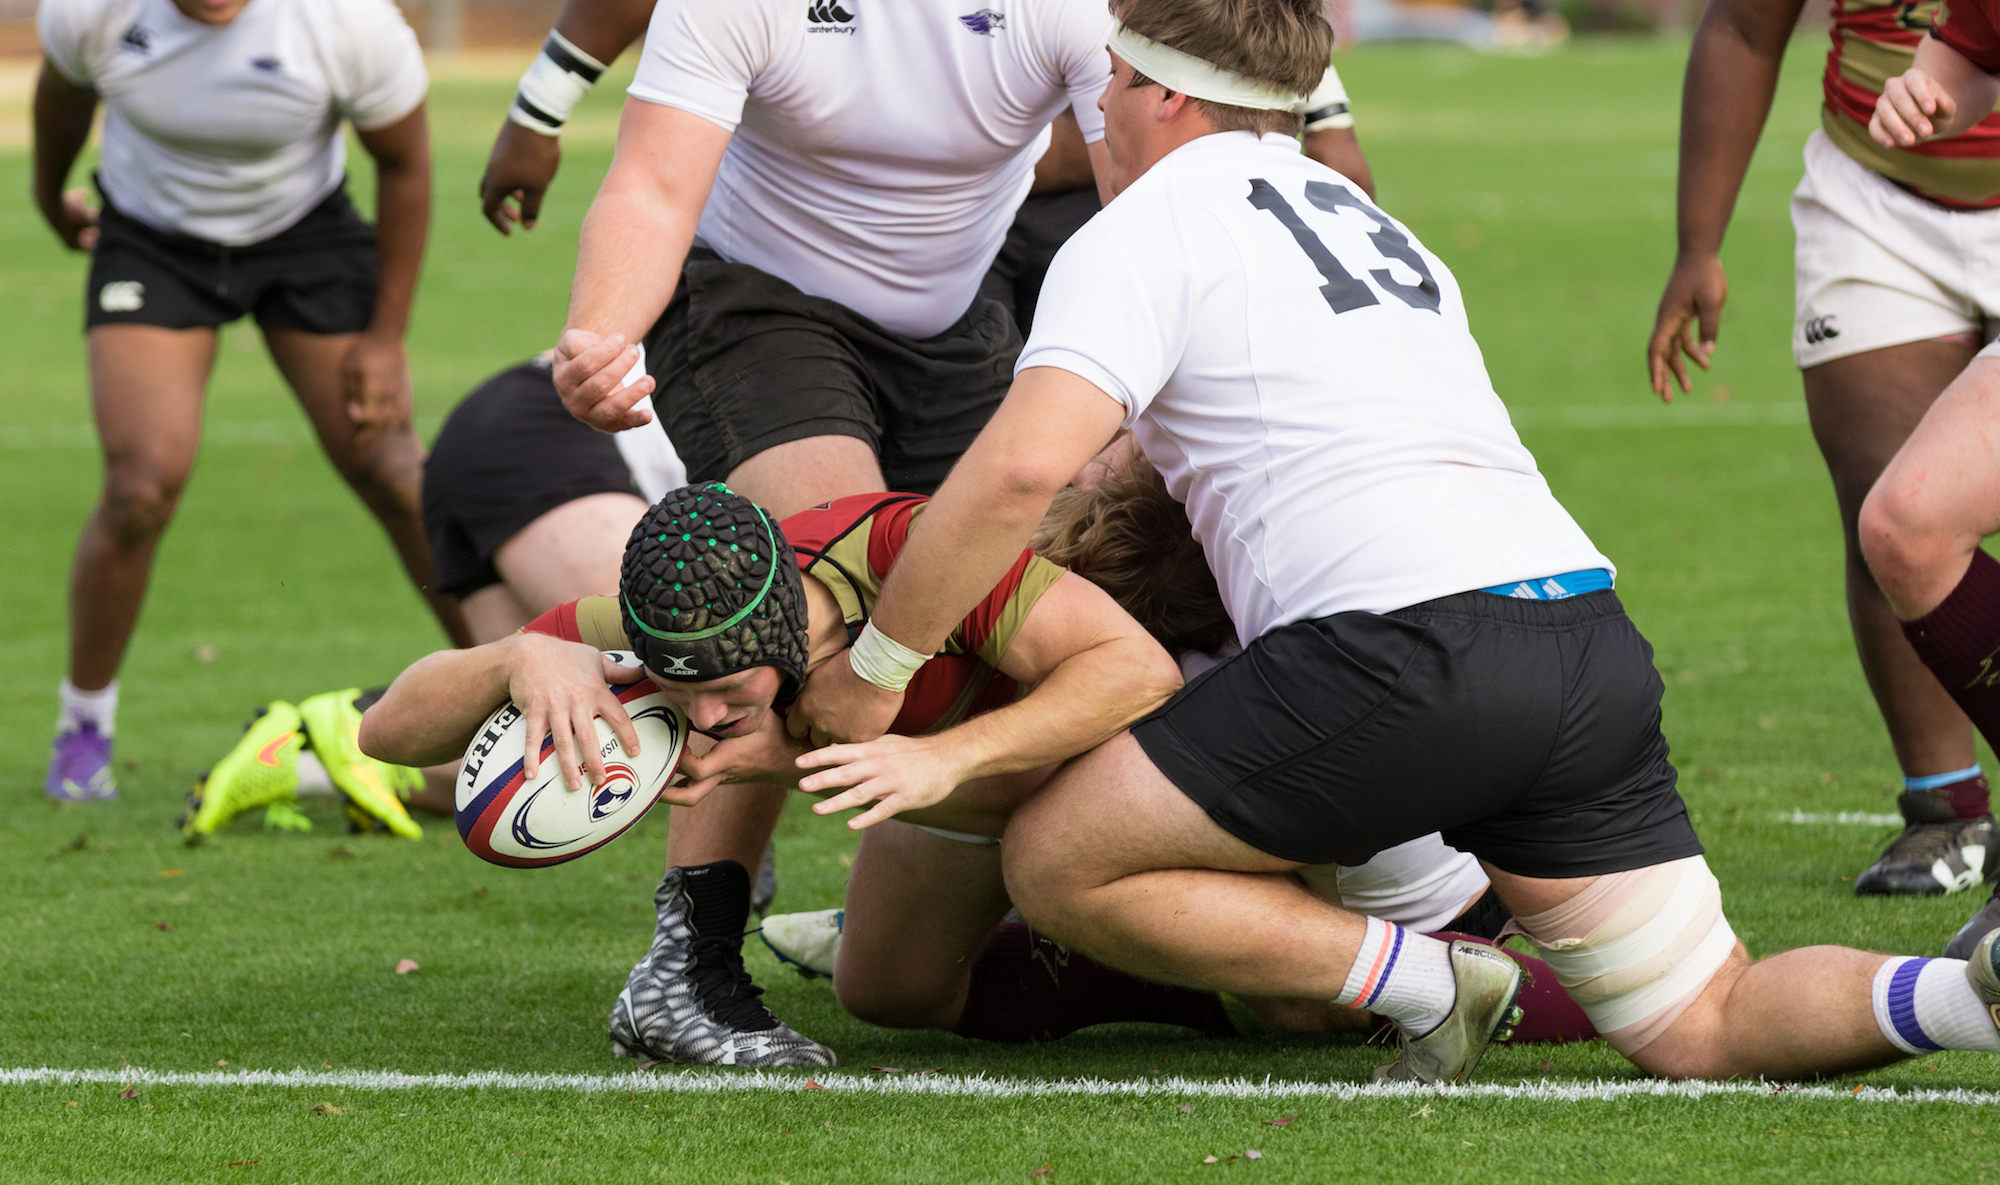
(1637, 415)
(1859, 818)
(956, 1086)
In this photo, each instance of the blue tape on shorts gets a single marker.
(1555, 588)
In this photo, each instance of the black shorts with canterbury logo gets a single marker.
(1528, 732)
(316, 276)
(744, 361)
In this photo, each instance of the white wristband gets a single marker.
(882, 660)
(554, 84)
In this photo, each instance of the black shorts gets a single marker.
(1528, 732)
(743, 361)
(508, 454)
(315, 276)
(1044, 223)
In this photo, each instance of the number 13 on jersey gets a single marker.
(1343, 290)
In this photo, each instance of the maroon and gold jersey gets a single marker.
(1873, 41)
(849, 545)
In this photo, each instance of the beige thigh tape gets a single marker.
(1635, 948)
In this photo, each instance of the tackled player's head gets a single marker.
(713, 603)
(1283, 44)
(1128, 536)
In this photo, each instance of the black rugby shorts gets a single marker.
(316, 276)
(1528, 732)
(508, 454)
(744, 361)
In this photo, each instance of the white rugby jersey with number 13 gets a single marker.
(1301, 371)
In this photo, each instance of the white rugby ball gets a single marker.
(506, 818)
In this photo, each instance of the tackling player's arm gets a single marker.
(1049, 427)
(1093, 671)
(431, 712)
(525, 158)
(1943, 94)
(1732, 74)
(629, 257)
(63, 111)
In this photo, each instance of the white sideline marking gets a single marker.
(956, 1086)
(1856, 817)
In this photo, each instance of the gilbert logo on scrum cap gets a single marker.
(680, 664)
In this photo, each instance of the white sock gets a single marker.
(93, 707)
(1924, 1005)
(1402, 975)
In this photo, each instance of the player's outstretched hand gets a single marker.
(766, 757)
(518, 173)
(895, 773)
(375, 378)
(1912, 107)
(1690, 317)
(838, 705)
(75, 223)
(590, 374)
(560, 689)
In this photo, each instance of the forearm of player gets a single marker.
(430, 713)
(402, 155)
(1090, 698)
(1972, 89)
(62, 116)
(1047, 429)
(1732, 76)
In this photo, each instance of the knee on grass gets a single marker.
(895, 1001)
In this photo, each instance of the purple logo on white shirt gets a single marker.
(985, 22)
(137, 39)
(268, 65)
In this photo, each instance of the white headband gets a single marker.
(1195, 78)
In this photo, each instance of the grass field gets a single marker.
(1547, 185)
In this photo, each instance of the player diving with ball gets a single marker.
(1430, 642)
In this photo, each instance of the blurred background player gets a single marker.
(1893, 298)
(222, 179)
(1923, 523)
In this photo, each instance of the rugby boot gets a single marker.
(1484, 1012)
(261, 771)
(1938, 852)
(80, 766)
(690, 999)
(1979, 926)
(375, 789)
(807, 941)
(1983, 975)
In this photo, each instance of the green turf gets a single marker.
(1546, 183)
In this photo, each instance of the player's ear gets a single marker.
(1171, 105)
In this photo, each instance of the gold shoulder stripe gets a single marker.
(1040, 577)
(598, 621)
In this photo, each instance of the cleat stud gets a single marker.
(1515, 1015)
(1506, 1034)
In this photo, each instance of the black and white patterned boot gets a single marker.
(690, 999)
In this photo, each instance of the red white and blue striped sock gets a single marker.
(1924, 1005)
(1402, 975)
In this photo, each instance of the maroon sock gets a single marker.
(1549, 1016)
(1970, 798)
(1960, 642)
(1026, 987)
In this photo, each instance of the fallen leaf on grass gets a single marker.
(161, 926)
(827, 1124)
(328, 1109)
(243, 1164)
(651, 1064)
(1422, 1112)
(128, 1093)
(1252, 1154)
(1044, 1171)
(1857, 1090)
(221, 1062)
(813, 1084)
(71, 1103)
(405, 966)
(1187, 1108)
(1286, 1121)
(1208, 1160)
(173, 872)
(1545, 1067)
(326, 1066)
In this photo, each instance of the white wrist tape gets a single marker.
(554, 84)
(882, 660)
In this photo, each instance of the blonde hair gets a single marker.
(1285, 43)
(1130, 538)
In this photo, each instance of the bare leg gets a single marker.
(918, 909)
(572, 551)
(385, 467)
(1796, 1014)
(735, 822)
(1939, 498)
(146, 393)
(1863, 408)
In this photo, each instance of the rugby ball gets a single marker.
(507, 818)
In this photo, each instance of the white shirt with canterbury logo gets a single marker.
(1301, 371)
(881, 147)
(231, 133)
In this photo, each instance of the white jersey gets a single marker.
(881, 147)
(231, 133)
(1300, 370)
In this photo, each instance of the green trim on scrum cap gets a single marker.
(770, 572)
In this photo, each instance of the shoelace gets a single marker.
(725, 988)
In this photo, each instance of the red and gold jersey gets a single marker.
(849, 545)
(1873, 41)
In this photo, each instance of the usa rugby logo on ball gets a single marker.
(506, 818)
